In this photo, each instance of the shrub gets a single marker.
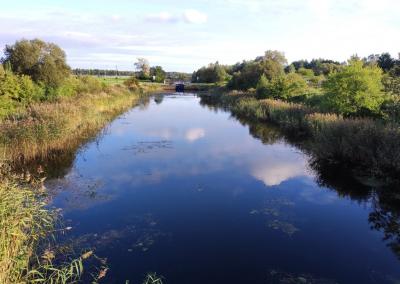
(284, 87)
(132, 83)
(355, 90)
(306, 72)
(89, 84)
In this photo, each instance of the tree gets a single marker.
(247, 78)
(158, 73)
(142, 65)
(213, 73)
(43, 62)
(272, 64)
(262, 87)
(356, 89)
(386, 62)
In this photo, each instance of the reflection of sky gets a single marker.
(201, 173)
(200, 143)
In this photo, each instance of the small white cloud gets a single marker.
(162, 17)
(195, 134)
(194, 17)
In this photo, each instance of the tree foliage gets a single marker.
(356, 89)
(386, 62)
(284, 87)
(43, 62)
(247, 74)
(158, 73)
(142, 65)
(213, 73)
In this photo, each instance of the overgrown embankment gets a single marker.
(40, 132)
(370, 147)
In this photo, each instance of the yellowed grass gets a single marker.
(57, 126)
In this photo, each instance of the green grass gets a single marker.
(113, 80)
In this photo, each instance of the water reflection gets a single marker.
(175, 188)
(194, 134)
(384, 203)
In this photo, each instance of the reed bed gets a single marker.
(371, 145)
(45, 128)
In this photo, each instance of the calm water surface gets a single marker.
(185, 190)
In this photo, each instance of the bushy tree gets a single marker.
(142, 65)
(213, 73)
(247, 77)
(272, 64)
(159, 74)
(386, 62)
(248, 73)
(356, 89)
(43, 62)
(284, 87)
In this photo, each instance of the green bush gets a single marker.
(355, 90)
(284, 87)
(306, 72)
(17, 90)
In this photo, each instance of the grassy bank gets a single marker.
(33, 135)
(50, 127)
(371, 147)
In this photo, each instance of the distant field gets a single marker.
(113, 80)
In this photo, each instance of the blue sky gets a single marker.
(185, 35)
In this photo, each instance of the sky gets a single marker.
(185, 35)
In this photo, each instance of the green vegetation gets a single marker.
(367, 87)
(347, 113)
(45, 112)
(43, 62)
(366, 145)
(213, 73)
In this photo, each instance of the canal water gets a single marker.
(186, 190)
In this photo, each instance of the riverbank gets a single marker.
(368, 147)
(43, 132)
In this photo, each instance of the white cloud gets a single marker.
(162, 17)
(189, 16)
(195, 134)
(276, 172)
(194, 17)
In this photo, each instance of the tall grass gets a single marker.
(366, 144)
(24, 220)
(48, 127)
(36, 133)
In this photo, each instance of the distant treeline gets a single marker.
(173, 76)
(103, 72)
